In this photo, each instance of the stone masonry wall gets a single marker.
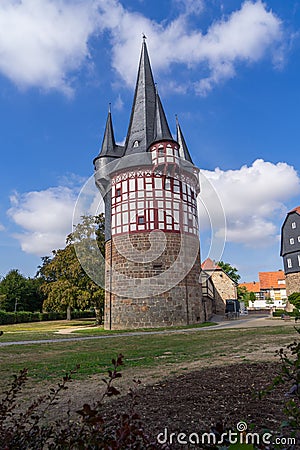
(144, 281)
(225, 289)
(292, 283)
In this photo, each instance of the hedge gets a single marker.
(279, 312)
(8, 318)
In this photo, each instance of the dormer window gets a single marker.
(294, 225)
(135, 144)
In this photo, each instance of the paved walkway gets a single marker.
(243, 322)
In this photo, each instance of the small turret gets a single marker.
(183, 150)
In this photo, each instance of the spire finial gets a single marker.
(109, 107)
(144, 37)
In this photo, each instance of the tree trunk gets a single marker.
(69, 313)
(98, 316)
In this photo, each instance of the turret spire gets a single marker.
(161, 127)
(141, 125)
(109, 142)
(183, 150)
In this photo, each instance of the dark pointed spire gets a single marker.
(183, 150)
(161, 127)
(108, 143)
(109, 146)
(141, 125)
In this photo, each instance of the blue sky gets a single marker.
(229, 69)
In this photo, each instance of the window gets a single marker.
(298, 238)
(294, 225)
(118, 192)
(292, 241)
(298, 260)
(289, 263)
(135, 144)
(141, 220)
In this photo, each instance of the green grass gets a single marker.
(39, 330)
(48, 330)
(100, 330)
(50, 361)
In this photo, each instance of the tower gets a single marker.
(290, 250)
(150, 187)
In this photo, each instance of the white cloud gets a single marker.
(2, 227)
(42, 42)
(45, 218)
(253, 200)
(247, 35)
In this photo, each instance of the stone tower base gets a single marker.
(292, 281)
(152, 283)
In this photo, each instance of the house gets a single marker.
(221, 286)
(290, 250)
(269, 291)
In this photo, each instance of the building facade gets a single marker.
(149, 186)
(269, 291)
(290, 250)
(222, 288)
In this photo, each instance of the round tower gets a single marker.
(150, 189)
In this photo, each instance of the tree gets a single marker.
(65, 283)
(245, 295)
(294, 299)
(232, 272)
(18, 293)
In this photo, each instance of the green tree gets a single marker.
(245, 295)
(66, 284)
(18, 293)
(294, 299)
(231, 271)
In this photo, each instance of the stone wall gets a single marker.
(154, 281)
(292, 283)
(225, 289)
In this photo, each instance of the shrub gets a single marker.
(7, 318)
(92, 430)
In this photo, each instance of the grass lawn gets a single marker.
(50, 361)
(39, 330)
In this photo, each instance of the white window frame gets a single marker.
(294, 225)
(292, 241)
(289, 263)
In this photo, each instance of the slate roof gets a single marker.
(148, 123)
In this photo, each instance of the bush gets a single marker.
(279, 312)
(91, 431)
(7, 318)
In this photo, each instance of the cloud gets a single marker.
(247, 35)
(44, 42)
(45, 218)
(253, 199)
(2, 227)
